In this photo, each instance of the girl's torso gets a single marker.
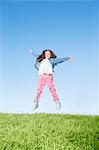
(45, 67)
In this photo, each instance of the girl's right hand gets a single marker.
(30, 50)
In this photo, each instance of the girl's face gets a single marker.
(47, 54)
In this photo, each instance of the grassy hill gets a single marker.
(48, 132)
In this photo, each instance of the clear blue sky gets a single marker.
(68, 28)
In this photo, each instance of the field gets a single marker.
(49, 132)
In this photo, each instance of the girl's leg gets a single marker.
(41, 84)
(52, 89)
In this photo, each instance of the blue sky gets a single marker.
(68, 28)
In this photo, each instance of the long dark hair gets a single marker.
(42, 56)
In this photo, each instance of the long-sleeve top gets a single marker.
(53, 61)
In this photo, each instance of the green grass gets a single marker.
(48, 132)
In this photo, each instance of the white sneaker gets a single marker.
(58, 106)
(60, 111)
(35, 106)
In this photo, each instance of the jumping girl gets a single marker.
(45, 64)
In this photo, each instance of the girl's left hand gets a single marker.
(70, 58)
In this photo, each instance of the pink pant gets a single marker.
(46, 79)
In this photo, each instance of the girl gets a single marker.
(45, 64)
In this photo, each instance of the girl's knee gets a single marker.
(52, 89)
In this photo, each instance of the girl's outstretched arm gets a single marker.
(60, 60)
(32, 53)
